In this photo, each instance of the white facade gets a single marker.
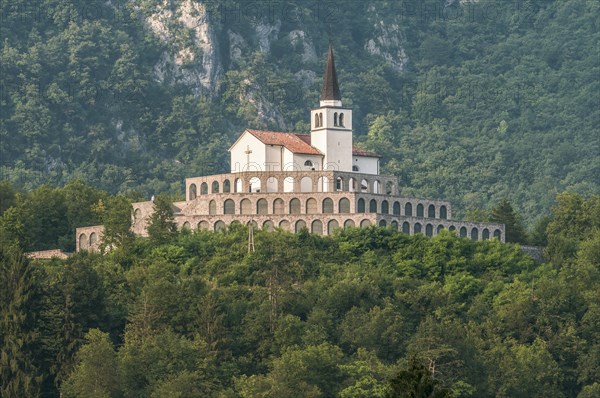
(366, 164)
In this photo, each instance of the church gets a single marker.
(318, 181)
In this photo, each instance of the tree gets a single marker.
(504, 213)
(162, 227)
(116, 218)
(7, 196)
(19, 376)
(415, 381)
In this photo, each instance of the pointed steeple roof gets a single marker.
(331, 89)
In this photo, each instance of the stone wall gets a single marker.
(47, 254)
(89, 238)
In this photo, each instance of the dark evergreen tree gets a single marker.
(504, 213)
(416, 382)
(162, 227)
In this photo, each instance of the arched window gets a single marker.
(327, 205)
(229, 207)
(452, 228)
(308, 163)
(420, 210)
(498, 234)
(284, 224)
(485, 234)
(376, 187)
(382, 223)
(288, 184)
(352, 185)
(332, 225)
(321, 119)
(394, 225)
(226, 186)
(341, 120)
(439, 229)
(306, 184)
(364, 186)
(443, 212)
(278, 206)
(361, 206)
(311, 206)
(316, 120)
(365, 223)
(373, 206)
(408, 209)
(344, 206)
(203, 188)
(245, 206)
(431, 211)
(215, 187)
(212, 208)
(429, 230)
(474, 234)
(295, 206)
(238, 185)
(406, 228)
(300, 224)
(203, 225)
(262, 207)
(219, 226)
(463, 232)
(93, 239)
(396, 208)
(268, 226)
(192, 192)
(137, 215)
(255, 184)
(339, 184)
(335, 119)
(317, 227)
(385, 207)
(186, 226)
(389, 188)
(355, 168)
(417, 228)
(349, 224)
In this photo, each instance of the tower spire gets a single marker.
(331, 88)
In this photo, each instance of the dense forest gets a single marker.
(469, 101)
(364, 313)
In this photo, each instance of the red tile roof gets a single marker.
(299, 143)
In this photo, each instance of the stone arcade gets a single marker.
(318, 181)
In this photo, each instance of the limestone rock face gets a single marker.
(388, 45)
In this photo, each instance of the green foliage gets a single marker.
(162, 228)
(116, 218)
(503, 213)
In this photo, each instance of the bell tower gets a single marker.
(331, 123)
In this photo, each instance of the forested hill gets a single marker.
(471, 101)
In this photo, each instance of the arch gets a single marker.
(485, 234)
(311, 206)
(192, 192)
(323, 184)
(429, 230)
(382, 223)
(396, 209)
(295, 206)
(365, 223)
(417, 228)
(341, 120)
(203, 225)
(360, 208)
(137, 214)
(317, 227)
(93, 239)
(452, 228)
(408, 209)
(239, 185)
(349, 224)
(308, 163)
(463, 232)
(385, 207)
(316, 120)
(439, 229)
(203, 188)
(327, 206)
(394, 225)
(272, 184)
(219, 226)
(252, 224)
(278, 206)
(474, 233)
(299, 225)
(339, 184)
(373, 206)
(306, 184)
(355, 168)
(389, 188)
(406, 228)
(245, 206)
(262, 207)
(420, 210)
(364, 185)
(332, 225)
(335, 119)
(212, 208)
(288, 184)
(226, 186)
(377, 187)
(344, 205)
(352, 185)
(431, 211)
(83, 242)
(186, 226)
(268, 226)
(254, 184)
(229, 207)
(215, 187)
(320, 119)
(284, 224)
(498, 234)
(443, 213)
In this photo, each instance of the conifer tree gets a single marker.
(505, 214)
(162, 225)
